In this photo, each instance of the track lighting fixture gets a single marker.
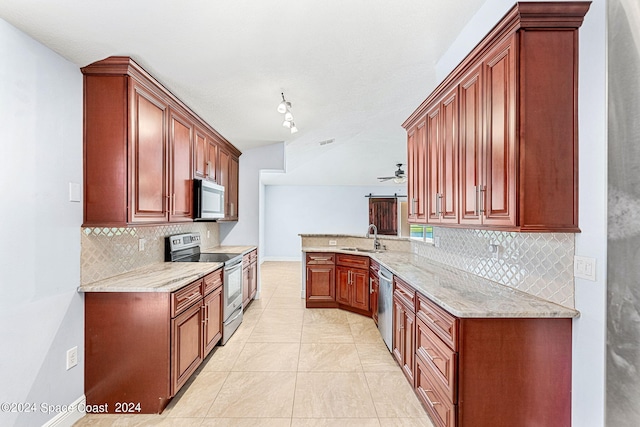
(285, 108)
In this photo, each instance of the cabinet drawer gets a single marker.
(320, 258)
(441, 322)
(183, 298)
(405, 292)
(439, 358)
(354, 261)
(441, 410)
(212, 281)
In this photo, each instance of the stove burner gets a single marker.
(186, 248)
(208, 257)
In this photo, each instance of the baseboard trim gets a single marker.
(68, 418)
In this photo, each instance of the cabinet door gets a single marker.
(212, 320)
(416, 172)
(223, 177)
(373, 296)
(442, 160)
(200, 154)
(246, 278)
(409, 344)
(343, 285)
(383, 212)
(398, 330)
(321, 286)
(471, 147)
(233, 187)
(181, 197)
(253, 279)
(449, 158)
(500, 152)
(212, 161)
(186, 345)
(359, 289)
(148, 184)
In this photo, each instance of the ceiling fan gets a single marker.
(398, 178)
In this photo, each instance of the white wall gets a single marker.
(293, 210)
(41, 314)
(589, 341)
(246, 231)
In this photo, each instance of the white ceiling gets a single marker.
(353, 69)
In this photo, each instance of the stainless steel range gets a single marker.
(186, 248)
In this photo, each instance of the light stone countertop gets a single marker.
(458, 292)
(162, 276)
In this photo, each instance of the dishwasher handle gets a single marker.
(382, 276)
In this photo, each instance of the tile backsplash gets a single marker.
(539, 264)
(107, 252)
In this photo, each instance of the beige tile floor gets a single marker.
(291, 366)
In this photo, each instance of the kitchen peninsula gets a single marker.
(472, 349)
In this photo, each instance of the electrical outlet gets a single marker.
(494, 249)
(208, 234)
(584, 267)
(72, 357)
(436, 241)
(141, 243)
(333, 242)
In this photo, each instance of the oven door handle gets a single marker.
(233, 267)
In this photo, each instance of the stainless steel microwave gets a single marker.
(208, 200)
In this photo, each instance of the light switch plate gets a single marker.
(74, 192)
(332, 242)
(584, 267)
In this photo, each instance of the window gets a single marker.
(421, 232)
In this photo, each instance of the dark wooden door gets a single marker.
(433, 164)
(200, 152)
(253, 278)
(180, 139)
(186, 345)
(500, 153)
(448, 153)
(148, 191)
(321, 286)
(408, 344)
(359, 289)
(383, 212)
(233, 187)
(343, 285)
(246, 278)
(416, 172)
(212, 161)
(212, 320)
(373, 296)
(223, 177)
(471, 147)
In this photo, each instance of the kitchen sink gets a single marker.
(361, 250)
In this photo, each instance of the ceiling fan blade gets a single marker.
(385, 178)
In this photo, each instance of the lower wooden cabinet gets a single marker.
(335, 280)
(142, 347)
(186, 345)
(404, 337)
(249, 276)
(498, 372)
(352, 288)
(374, 287)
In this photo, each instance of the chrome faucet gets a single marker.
(376, 243)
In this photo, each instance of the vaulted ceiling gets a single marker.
(352, 69)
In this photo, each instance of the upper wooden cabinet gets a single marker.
(205, 164)
(228, 177)
(142, 148)
(501, 140)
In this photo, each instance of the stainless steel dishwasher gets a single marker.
(385, 306)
